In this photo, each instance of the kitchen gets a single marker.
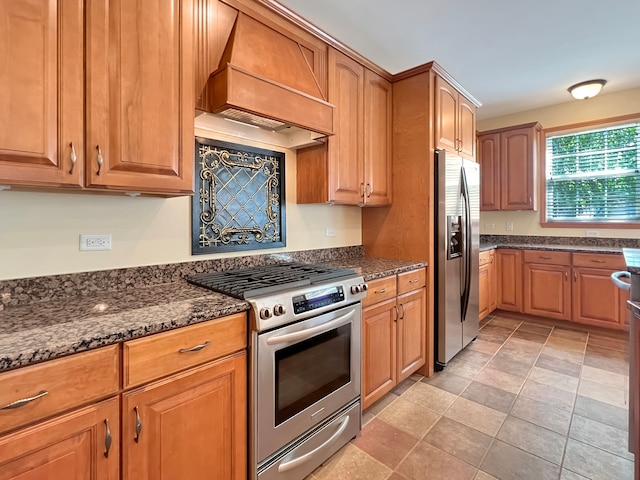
(45, 226)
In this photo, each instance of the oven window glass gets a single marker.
(310, 370)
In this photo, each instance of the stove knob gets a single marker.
(355, 289)
(279, 309)
(365, 287)
(265, 313)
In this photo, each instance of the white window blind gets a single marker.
(593, 176)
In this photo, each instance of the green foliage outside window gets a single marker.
(593, 176)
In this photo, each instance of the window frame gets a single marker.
(542, 184)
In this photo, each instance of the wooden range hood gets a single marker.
(264, 79)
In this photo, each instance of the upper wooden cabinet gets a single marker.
(42, 100)
(508, 159)
(354, 166)
(455, 120)
(100, 97)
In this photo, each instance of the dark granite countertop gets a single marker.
(557, 248)
(44, 330)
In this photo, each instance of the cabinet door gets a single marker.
(378, 350)
(489, 160)
(492, 276)
(192, 425)
(73, 446)
(596, 299)
(411, 332)
(377, 139)
(484, 291)
(509, 279)
(446, 116)
(517, 152)
(42, 95)
(547, 290)
(346, 155)
(466, 128)
(140, 95)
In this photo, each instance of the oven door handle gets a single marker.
(310, 332)
(286, 466)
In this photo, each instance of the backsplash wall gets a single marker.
(39, 232)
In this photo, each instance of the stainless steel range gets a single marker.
(304, 367)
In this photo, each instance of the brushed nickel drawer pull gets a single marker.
(107, 439)
(24, 401)
(401, 311)
(544, 257)
(415, 280)
(138, 425)
(383, 290)
(566, 275)
(197, 348)
(597, 261)
(395, 313)
(73, 157)
(100, 159)
(368, 190)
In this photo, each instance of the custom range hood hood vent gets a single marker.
(264, 79)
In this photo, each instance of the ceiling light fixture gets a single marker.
(588, 89)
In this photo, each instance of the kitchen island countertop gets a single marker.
(50, 329)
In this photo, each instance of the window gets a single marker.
(592, 174)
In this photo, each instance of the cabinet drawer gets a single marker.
(411, 280)
(159, 355)
(545, 256)
(487, 257)
(379, 290)
(599, 260)
(68, 382)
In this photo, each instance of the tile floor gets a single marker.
(525, 401)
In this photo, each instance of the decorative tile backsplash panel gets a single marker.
(239, 198)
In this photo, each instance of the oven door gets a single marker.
(305, 372)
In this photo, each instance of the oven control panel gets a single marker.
(317, 299)
(292, 305)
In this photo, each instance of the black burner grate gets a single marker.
(267, 279)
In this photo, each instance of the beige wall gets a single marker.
(39, 232)
(602, 106)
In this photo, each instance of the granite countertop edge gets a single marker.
(47, 330)
(557, 248)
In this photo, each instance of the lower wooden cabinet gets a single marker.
(181, 418)
(487, 283)
(411, 332)
(80, 445)
(509, 279)
(189, 425)
(379, 355)
(394, 336)
(547, 284)
(561, 285)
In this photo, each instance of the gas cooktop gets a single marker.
(268, 279)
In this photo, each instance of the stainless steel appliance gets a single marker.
(304, 362)
(457, 244)
(631, 283)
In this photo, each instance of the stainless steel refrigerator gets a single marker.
(457, 244)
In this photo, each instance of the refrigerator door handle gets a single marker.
(467, 245)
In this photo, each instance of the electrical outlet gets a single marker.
(95, 242)
(329, 232)
(592, 233)
(489, 226)
(509, 226)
